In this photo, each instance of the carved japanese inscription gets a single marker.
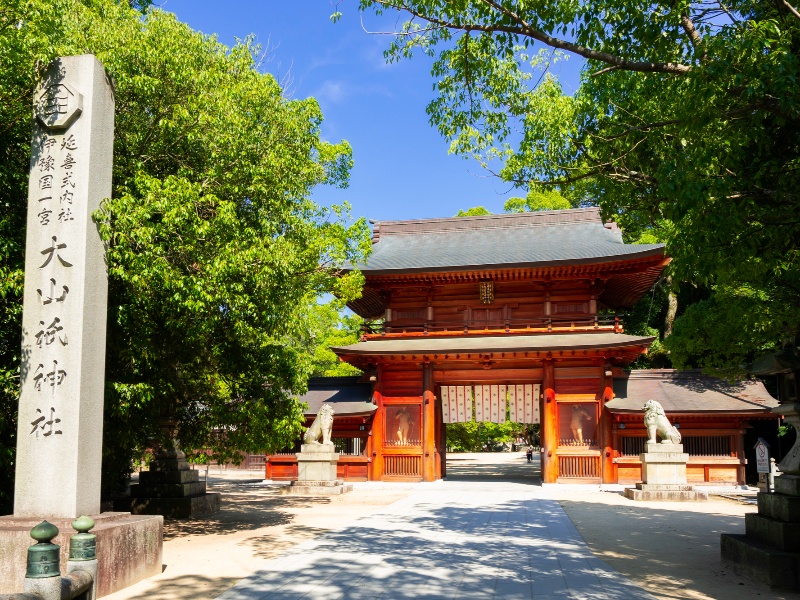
(63, 337)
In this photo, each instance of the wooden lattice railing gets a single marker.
(579, 467)
(403, 466)
(693, 445)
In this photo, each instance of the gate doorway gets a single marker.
(493, 466)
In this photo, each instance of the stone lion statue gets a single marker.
(322, 427)
(658, 425)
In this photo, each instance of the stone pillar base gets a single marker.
(316, 472)
(317, 462)
(664, 476)
(664, 464)
(769, 551)
(128, 549)
(664, 493)
(317, 488)
(170, 488)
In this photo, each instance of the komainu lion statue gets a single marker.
(657, 424)
(322, 427)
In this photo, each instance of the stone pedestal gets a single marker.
(170, 488)
(128, 549)
(664, 475)
(316, 472)
(769, 550)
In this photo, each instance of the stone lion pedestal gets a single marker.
(664, 464)
(316, 461)
(664, 475)
(316, 472)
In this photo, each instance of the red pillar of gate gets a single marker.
(606, 434)
(375, 469)
(429, 454)
(549, 433)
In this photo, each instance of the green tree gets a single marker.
(538, 199)
(476, 437)
(687, 114)
(216, 251)
(327, 327)
(475, 211)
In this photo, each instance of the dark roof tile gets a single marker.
(347, 395)
(576, 236)
(491, 343)
(689, 392)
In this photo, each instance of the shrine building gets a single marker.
(516, 316)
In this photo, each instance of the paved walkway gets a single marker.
(460, 539)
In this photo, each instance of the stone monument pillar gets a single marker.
(60, 432)
(663, 464)
(316, 461)
(769, 550)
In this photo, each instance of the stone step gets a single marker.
(156, 477)
(177, 508)
(780, 507)
(316, 490)
(777, 534)
(168, 490)
(664, 487)
(759, 562)
(319, 483)
(665, 495)
(169, 464)
(787, 484)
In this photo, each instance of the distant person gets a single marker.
(529, 453)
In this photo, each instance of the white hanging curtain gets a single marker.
(478, 390)
(490, 403)
(444, 392)
(456, 404)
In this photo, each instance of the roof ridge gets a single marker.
(546, 218)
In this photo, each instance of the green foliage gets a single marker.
(538, 198)
(216, 253)
(476, 437)
(685, 121)
(479, 436)
(709, 335)
(327, 327)
(475, 211)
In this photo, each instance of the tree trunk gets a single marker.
(672, 308)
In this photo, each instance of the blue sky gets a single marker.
(402, 167)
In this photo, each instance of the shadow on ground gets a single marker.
(470, 549)
(672, 553)
(244, 507)
(520, 547)
(190, 586)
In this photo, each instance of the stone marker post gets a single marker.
(59, 437)
(60, 433)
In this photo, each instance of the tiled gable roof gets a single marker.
(561, 237)
(347, 395)
(689, 392)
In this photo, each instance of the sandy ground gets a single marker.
(669, 549)
(204, 557)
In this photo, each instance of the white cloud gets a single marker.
(336, 92)
(332, 91)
